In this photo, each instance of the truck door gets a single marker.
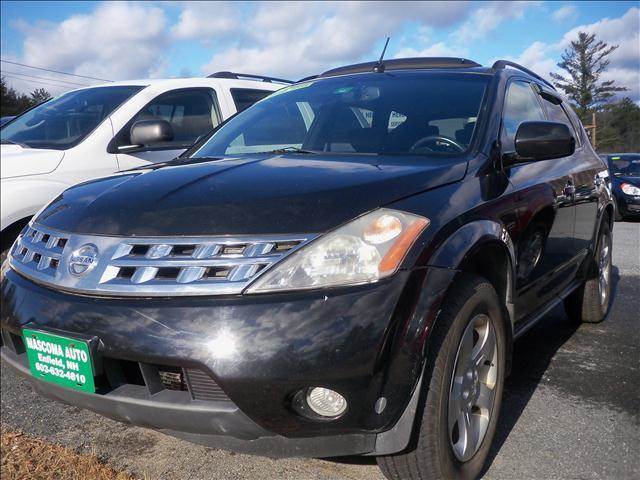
(192, 112)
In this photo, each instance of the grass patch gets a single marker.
(23, 456)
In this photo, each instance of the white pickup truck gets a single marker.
(97, 131)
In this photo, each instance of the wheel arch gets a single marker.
(485, 248)
(11, 231)
(477, 248)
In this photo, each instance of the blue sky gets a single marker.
(130, 39)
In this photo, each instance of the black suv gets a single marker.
(340, 269)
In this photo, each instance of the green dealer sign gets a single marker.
(60, 360)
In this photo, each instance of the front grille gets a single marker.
(40, 250)
(162, 266)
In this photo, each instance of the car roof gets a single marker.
(434, 64)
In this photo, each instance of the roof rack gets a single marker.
(404, 64)
(306, 79)
(502, 64)
(240, 76)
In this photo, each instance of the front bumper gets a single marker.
(628, 205)
(259, 351)
(209, 424)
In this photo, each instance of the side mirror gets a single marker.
(146, 133)
(543, 141)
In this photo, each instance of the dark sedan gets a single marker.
(625, 183)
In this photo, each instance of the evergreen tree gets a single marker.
(39, 95)
(14, 103)
(585, 61)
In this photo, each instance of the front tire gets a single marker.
(590, 303)
(464, 379)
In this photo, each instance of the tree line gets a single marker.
(14, 103)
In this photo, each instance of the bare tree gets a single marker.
(585, 61)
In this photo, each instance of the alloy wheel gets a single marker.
(604, 269)
(473, 387)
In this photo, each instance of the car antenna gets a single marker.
(379, 67)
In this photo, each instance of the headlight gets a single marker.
(364, 250)
(630, 189)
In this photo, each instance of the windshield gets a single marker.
(392, 113)
(625, 165)
(64, 121)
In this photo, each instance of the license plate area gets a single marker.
(59, 359)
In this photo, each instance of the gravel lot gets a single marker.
(571, 408)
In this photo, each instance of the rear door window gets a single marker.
(243, 98)
(557, 113)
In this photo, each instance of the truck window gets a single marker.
(192, 112)
(245, 97)
(65, 121)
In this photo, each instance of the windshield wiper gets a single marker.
(5, 141)
(279, 151)
(173, 162)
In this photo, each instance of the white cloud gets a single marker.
(116, 41)
(205, 20)
(536, 57)
(301, 38)
(565, 13)
(439, 49)
(489, 16)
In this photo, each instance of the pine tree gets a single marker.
(585, 61)
(39, 95)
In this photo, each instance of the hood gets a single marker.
(17, 161)
(236, 196)
(633, 180)
(619, 180)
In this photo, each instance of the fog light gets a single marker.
(326, 402)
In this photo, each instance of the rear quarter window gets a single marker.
(243, 98)
(557, 113)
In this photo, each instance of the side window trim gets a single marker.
(113, 145)
(577, 127)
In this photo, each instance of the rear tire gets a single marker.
(590, 302)
(462, 389)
